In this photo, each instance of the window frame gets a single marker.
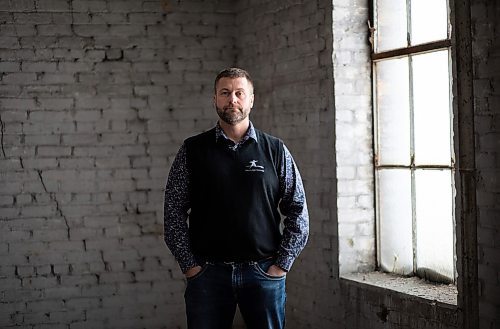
(409, 51)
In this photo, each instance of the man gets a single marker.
(232, 182)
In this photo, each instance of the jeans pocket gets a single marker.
(199, 274)
(262, 268)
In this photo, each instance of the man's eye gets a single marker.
(224, 93)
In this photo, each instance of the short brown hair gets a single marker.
(233, 73)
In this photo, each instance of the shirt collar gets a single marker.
(219, 133)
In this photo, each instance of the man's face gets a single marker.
(233, 99)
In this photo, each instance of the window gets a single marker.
(413, 142)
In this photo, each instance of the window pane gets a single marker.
(429, 21)
(395, 220)
(434, 229)
(393, 111)
(391, 25)
(431, 101)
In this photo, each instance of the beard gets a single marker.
(232, 115)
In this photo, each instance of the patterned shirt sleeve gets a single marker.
(294, 207)
(176, 208)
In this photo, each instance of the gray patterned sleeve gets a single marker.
(293, 206)
(176, 208)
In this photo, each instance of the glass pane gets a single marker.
(429, 21)
(393, 111)
(395, 221)
(434, 228)
(391, 25)
(432, 115)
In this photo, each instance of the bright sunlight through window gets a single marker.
(414, 160)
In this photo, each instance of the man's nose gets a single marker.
(233, 98)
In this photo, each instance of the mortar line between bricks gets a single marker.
(70, 4)
(54, 199)
(14, 23)
(2, 131)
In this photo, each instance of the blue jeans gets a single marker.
(212, 295)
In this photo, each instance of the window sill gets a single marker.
(412, 286)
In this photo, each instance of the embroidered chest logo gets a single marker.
(253, 166)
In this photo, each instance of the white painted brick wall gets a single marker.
(95, 99)
(353, 142)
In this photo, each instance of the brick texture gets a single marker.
(486, 62)
(94, 97)
(97, 96)
(353, 140)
